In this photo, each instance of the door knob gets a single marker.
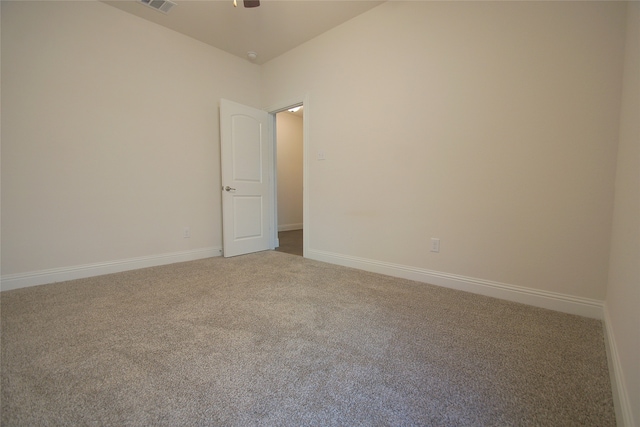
(227, 188)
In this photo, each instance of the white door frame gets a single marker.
(273, 110)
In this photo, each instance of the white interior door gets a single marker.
(246, 162)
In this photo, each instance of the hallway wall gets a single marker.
(289, 149)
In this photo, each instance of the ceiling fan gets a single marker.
(248, 3)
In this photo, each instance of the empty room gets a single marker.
(470, 210)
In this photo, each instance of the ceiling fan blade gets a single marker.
(251, 3)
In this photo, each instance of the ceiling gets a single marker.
(271, 29)
(299, 113)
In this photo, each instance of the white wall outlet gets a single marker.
(186, 233)
(321, 155)
(435, 245)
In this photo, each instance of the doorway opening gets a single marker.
(289, 171)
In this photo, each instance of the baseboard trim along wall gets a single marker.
(537, 298)
(289, 227)
(544, 299)
(621, 400)
(23, 280)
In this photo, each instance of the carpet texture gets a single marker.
(272, 339)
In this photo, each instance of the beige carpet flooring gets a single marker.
(272, 339)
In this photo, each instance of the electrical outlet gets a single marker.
(186, 233)
(435, 245)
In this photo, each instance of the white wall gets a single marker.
(289, 141)
(110, 136)
(623, 291)
(490, 125)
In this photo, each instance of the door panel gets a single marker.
(246, 156)
(247, 212)
(247, 148)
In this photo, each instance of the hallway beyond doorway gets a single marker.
(290, 242)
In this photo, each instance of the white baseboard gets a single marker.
(621, 401)
(289, 227)
(537, 298)
(23, 280)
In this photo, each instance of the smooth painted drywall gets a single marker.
(623, 291)
(289, 165)
(110, 136)
(490, 125)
